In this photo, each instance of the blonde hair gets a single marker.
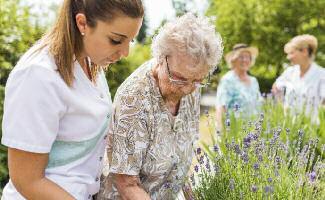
(301, 42)
(192, 36)
(64, 39)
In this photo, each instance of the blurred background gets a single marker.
(266, 24)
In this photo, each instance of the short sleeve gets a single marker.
(128, 135)
(284, 78)
(32, 109)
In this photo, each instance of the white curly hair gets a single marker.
(192, 36)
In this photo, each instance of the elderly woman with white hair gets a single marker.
(155, 121)
(303, 84)
(237, 89)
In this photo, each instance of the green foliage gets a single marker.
(269, 25)
(17, 34)
(119, 71)
(141, 37)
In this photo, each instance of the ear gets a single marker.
(305, 52)
(81, 22)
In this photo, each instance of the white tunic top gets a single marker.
(43, 115)
(307, 91)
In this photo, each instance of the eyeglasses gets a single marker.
(244, 58)
(202, 84)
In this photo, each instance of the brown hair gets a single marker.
(64, 39)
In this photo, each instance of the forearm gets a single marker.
(42, 189)
(133, 193)
(27, 173)
(129, 187)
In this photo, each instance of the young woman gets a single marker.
(303, 82)
(57, 101)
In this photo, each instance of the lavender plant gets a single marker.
(271, 156)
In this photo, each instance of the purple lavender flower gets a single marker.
(192, 179)
(216, 168)
(312, 176)
(262, 115)
(287, 130)
(237, 149)
(269, 180)
(207, 166)
(260, 158)
(198, 151)
(277, 160)
(227, 122)
(216, 148)
(268, 189)
(254, 188)
(201, 160)
(300, 133)
(245, 158)
(247, 141)
(236, 107)
(256, 166)
(196, 168)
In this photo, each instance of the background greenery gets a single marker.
(266, 24)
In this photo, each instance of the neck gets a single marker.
(85, 66)
(242, 74)
(304, 67)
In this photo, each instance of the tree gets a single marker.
(268, 25)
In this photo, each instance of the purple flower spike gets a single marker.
(269, 180)
(216, 148)
(254, 188)
(268, 189)
(256, 166)
(312, 176)
(227, 122)
(196, 168)
(198, 151)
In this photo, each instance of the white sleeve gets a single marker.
(284, 78)
(32, 109)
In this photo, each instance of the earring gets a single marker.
(82, 33)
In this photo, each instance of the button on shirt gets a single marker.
(41, 109)
(307, 91)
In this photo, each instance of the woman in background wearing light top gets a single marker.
(237, 89)
(57, 101)
(304, 82)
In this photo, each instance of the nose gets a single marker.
(124, 51)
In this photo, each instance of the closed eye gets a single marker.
(115, 42)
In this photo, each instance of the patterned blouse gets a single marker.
(233, 94)
(146, 140)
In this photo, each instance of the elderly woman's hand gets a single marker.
(129, 187)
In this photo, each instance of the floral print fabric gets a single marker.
(147, 141)
(233, 94)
